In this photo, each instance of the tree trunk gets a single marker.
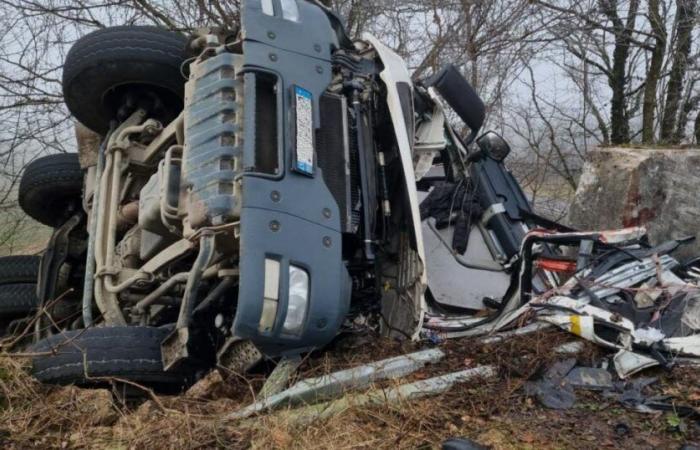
(697, 129)
(685, 15)
(654, 72)
(619, 119)
(690, 102)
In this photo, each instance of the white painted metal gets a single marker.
(395, 71)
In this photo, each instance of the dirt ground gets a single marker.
(494, 412)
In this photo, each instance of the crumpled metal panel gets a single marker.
(312, 390)
(213, 142)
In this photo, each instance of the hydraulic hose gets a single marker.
(206, 252)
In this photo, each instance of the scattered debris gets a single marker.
(556, 389)
(280, 376)
(628, 363)
(590, 378)
(95, 405)
(553, 390)
(461, 444)
(570, 348)
(209, 387)
(630, 297)
(622, 429)
(498, 337)
(313, 390)
(410, 391)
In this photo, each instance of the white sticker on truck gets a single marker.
(305, 130)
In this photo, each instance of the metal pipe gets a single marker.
(215, 294)
(206, 252)
(113, 211)
(104, 249)
(161, 290)
(115, 289)
(151, 126)
(89, 282)
(108, 304)
(101, 217)
(166, 300)
(99, 234)
(113, 313)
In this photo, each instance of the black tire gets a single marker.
(105, 65)
(19, 269)
(129, 353)
(17, 300)
(51, 188)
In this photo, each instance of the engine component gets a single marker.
(159, 198)
(128, 249)
(212, 153)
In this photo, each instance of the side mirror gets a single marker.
(494, 146)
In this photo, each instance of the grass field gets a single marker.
(495, 412)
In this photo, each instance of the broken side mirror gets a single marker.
(494, 146)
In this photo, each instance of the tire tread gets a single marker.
(131, 353)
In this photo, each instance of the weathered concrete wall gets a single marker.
(656, 188)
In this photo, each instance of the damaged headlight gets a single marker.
(298, 300)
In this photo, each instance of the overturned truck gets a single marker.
(260, 190)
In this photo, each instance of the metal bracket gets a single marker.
(496, 208)
(56, 254)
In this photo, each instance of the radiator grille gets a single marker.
(334, 156)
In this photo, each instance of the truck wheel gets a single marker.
(128, 353)
(18, 277)
(51, 187)
(103, 67)
(19, 269)
(17, 300)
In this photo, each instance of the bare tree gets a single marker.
(658, 27)
(685, 21)
(617, 64)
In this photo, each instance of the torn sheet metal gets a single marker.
(570, 348)
(581, 318)
(625, 295)
(628, 363)
(633, 301)
(445, 327)
(404, 392)
(527, 329)
(328, 386)
(629, 275)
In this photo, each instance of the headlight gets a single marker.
(298, 300)
(271, 296)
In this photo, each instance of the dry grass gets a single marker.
(494, 412)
